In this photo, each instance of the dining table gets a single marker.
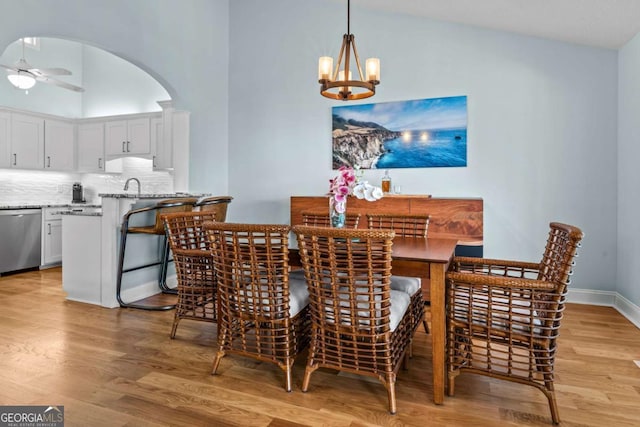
(433, 255)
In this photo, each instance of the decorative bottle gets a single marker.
(386, 182)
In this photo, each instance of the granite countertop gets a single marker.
(49, 205)
(151, 195)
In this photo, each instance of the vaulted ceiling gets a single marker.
(601, 23)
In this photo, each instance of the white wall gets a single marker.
(182, 44)
(542, 114)
(542, 121)
(628, 173)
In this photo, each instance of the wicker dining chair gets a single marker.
(359, 324)
(321, 219)
(262, 313)
(408, 226)
(503, 317)
(403, 225)
(194, 266)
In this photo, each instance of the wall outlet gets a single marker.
(60, 188)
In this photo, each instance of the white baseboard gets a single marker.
(609, 299)
(628, 309)
(591, 297)
(145, 290)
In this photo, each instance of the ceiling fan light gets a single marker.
(22, 80)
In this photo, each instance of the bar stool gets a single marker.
(184, 204)
(218, 204)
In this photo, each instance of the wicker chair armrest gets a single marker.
(494, 267)
(501, 282)
(192, 252)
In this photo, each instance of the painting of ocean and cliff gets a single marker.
(424, 133)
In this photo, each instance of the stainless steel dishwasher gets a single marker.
(20, 234)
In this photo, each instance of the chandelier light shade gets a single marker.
(335, 83)
(22, 79)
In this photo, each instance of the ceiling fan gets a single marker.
(23, 76)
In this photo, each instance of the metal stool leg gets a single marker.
(121, 271)
(162, 280)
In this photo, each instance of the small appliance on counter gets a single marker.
(78, 196)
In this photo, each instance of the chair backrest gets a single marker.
(322, 219)
(556, 266)
(219, 204)
(348, 274)
(403, 225)
(184, 204)
(185, 230)
(558, 258)
(252, 269)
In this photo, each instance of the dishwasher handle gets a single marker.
(19, 212)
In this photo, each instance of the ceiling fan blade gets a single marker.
(52, 81)
(9, 68)
(51, 71)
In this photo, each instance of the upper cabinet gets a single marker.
(5, 147)
(59, 145)
(95, 145)
(128, 137)
(27, 142)
(91, 147)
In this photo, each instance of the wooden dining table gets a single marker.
(433, 255)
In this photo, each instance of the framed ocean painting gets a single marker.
(423, 133)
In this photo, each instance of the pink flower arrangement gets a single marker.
(345, 183)
(342, 184)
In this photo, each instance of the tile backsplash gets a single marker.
(44, 187)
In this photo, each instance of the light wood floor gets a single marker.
(117, 367)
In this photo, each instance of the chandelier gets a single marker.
(339, 83)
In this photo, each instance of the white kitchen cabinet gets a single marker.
(128, 137)
(180, 142)
(160, 155)
(5, 135)
(82, 273)
(59, 145)
(51, 236)
(27, 142)
(91, 147)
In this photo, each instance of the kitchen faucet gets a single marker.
(126, 184)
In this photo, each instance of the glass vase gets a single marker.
(337, 211)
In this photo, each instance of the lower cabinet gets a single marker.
(82, 272)
(51, 237)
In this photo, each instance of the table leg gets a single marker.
(437, 272)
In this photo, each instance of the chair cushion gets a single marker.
(399, 304)
(298, 294)
(409, 285)
(519, 318)
(297, 274)
(400, 296)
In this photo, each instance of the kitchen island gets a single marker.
(90, 247)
